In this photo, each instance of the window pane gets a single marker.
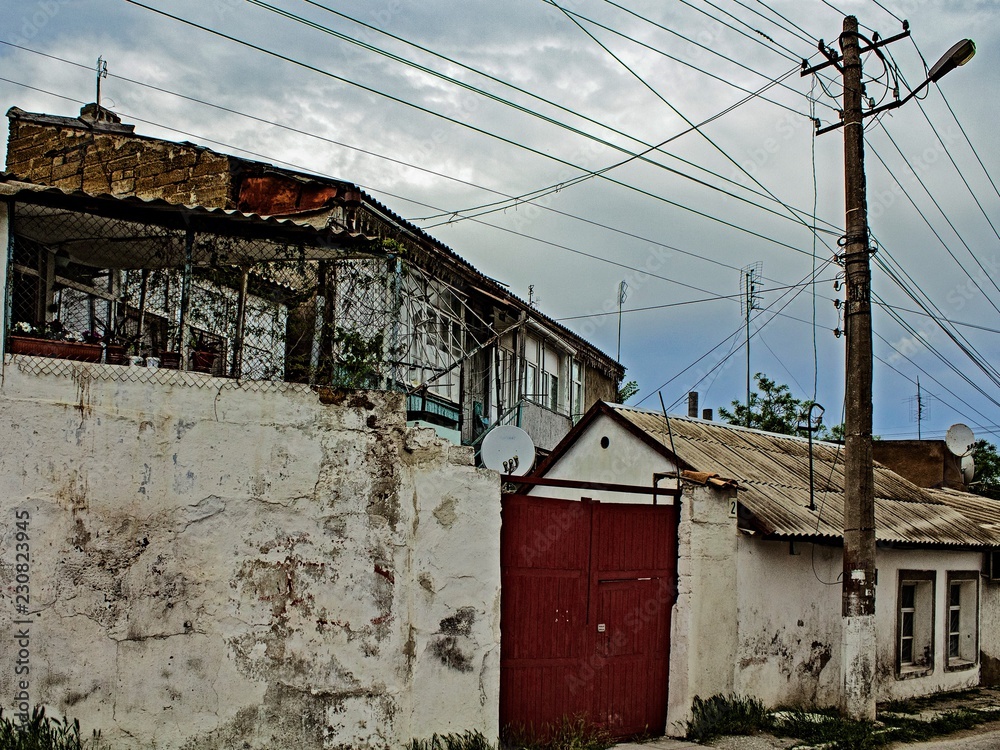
(953, 645)
(956, 594)
(906, 651)
(907, 624)
(907, 595)
(954, 621)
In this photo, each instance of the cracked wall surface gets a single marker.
(220, 567)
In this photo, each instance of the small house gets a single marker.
(755, 594)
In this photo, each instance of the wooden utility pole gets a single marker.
(858, 599)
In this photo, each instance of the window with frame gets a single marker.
(576, 390)
(962, 620)
(549, 394)
(530, 380)
(915, 623)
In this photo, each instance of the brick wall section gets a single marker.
(119, 164)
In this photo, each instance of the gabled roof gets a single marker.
(772, 473)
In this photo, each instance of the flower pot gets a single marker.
(74, 350)
(170, 360)
(114, 354)
(203, 361)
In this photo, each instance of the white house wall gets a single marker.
(789, 650)
(990, 631)
(626, 460)
(231, 566)
(888, 564)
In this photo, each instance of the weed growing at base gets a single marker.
(726, 714)
(44, 733)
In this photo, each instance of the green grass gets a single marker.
(570, 734)
(464, 741)
(836, 733)
(726, 714)
(43, 732)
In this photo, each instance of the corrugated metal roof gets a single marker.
(281, 228)
(773, 476)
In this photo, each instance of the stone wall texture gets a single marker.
(217, 567)
(119, 164)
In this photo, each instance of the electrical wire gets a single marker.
(393, 160)
(937, 205)
(683, 117)
(704, 47)
(455, 121)
(561, 186)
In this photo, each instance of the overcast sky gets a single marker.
(463, 106)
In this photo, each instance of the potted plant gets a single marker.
(203, 354)
(53, 340)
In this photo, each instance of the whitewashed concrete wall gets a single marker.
(704, 626)
(990, 632)
(789, 650)
(889, 562)
(219, 567)
(790, 644)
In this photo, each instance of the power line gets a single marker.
(698, 44)
(683, 117)
(937, 205)
(326, 139)
(467, 125)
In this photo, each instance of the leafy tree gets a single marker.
(626, 391)
(773, 408)
(987, 479)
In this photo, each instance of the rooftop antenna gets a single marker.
(622, 296)
(750, 277)
(102, 72)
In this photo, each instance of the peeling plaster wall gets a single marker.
(704, 628)
(223, 567)
(989, 644)
(789, 649)
(889, 562)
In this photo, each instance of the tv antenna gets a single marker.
(102, 72)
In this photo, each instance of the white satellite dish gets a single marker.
(509, 450)
(960, 439)
(968, 469)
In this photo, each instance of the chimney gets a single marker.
(706, 414)
(693, 404)
(96, 116)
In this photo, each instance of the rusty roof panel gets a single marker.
(773, 475)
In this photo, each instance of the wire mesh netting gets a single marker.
(142, 296)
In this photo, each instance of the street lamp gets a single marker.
(959, 54)
(858, 596)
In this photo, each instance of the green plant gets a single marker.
(465, 741)
(43, 732)
(832, 732)
(577, 733)
(726, 714)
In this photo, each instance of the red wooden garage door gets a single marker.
(585, 613)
